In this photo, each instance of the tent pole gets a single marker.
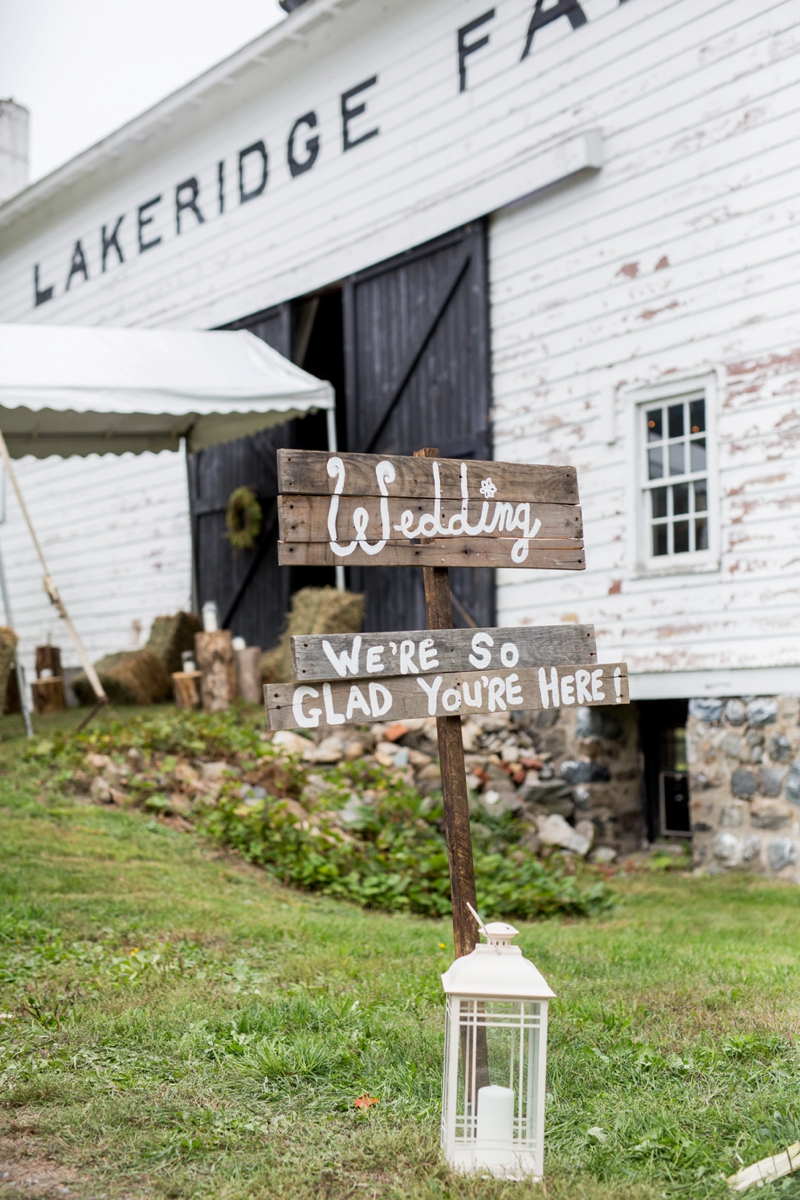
(49, 585)
(26, 716)
(332, 446)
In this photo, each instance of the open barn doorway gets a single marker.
(662, 733)
(406, 346)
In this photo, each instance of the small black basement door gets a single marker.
(417, 374)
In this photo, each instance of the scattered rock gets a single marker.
(554, 831)
(584, 772)
(603, 855)
(100, 791)
(291, 743)
(735, 712)
(780, 748)
(136, 760)
(762, 711)
(732, 815)
(586, 829)
(597, 722)
(500, 802)
(330, 750)
(354, 750)
(732, 745)
(743, 783)
(781, 853)
(212, 772)
(395, 732)
(771, 780)
(708, 711)
(582, 796)
(770, 814)
(751, 849)
(726, 848)
(792, 785)
(98, 762)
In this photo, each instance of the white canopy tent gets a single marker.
(66, 390)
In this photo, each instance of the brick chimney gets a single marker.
(13, 149)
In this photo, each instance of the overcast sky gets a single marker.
(84, 67)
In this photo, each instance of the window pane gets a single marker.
(654, 426)
(698, 454)
(700, 496)
(659, 540)
(676, 420)
(680, 498)
(677, 459)
(701, 534)
(680, 532)
(659, 502)
(655, 463)
(697, 416)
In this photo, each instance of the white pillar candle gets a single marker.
(494, 1144)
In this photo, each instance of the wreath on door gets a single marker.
(243, 518)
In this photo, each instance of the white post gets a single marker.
(332, 446)
(23, 699)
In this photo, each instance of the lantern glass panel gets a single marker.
(494, 1066)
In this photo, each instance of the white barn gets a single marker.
(555, 232)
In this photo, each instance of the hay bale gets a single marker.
(314, 610)
(8, 650)
(170, 636)
(132, 677)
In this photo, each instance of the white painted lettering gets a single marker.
(431, 689)
(618, 683)
(303, 720)
(513, 691)
(481, 656)
(407, 649)
(374, 664)
(497, 687)
(476, 703)
(549, 691)
(567, 689)
(509, 654)
(597, 685)
(356, 700)
(451, 700)
(333, 718)
(344, 662)
(380, 698)
(427, 655)
(582, 681)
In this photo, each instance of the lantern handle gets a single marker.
(481, 926)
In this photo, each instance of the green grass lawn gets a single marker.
(175, 1024)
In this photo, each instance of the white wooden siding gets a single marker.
(680, 257)
(115, 533)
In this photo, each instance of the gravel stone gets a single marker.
(709, 711)
(762, 711)
(743, 783)
(781, 853)
(735, 712)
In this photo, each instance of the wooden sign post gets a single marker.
(374, 510)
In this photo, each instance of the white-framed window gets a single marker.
(676, 509)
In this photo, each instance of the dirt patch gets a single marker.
(26, 1171)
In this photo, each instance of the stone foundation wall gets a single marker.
(745, 784)
(591, 772)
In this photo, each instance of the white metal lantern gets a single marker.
(495, 1059)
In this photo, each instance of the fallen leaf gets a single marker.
(366, 1101)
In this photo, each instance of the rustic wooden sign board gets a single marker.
(374, 510)
(387, 510)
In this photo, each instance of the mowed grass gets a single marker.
(176, 1025)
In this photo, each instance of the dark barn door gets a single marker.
(250, 589)
(417, 374)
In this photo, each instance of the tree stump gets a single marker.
(186, 688)
(217, 663)
(248, 674)
(48, 695)
(48, 659)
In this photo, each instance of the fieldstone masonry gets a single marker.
(744, 764)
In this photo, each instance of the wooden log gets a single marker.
(48, 658)
(48, 695)
(346, 702)
(217, 664)
(186, 688)
(305, 472)
(305, 518)
(553, 554)
(248, 674)
(373, 655)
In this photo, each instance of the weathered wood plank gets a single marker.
(305, 472)
(425, 652)
(555, 554)
(312, 706)
(305, 518)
